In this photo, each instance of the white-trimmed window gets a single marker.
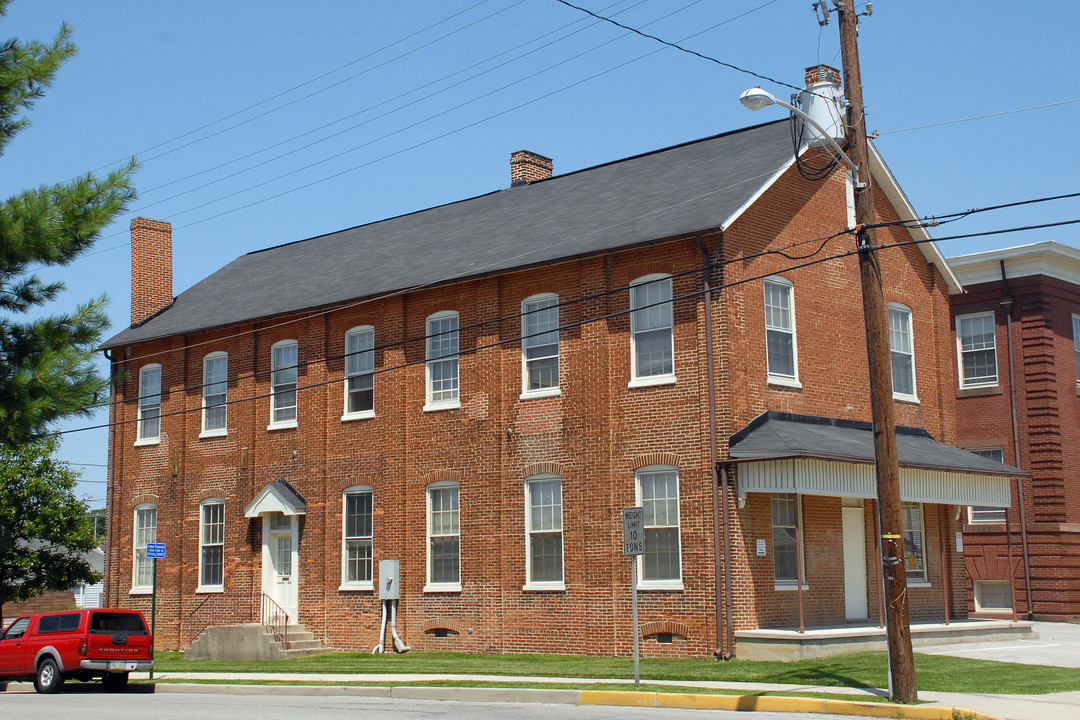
(903, 352)
(540, 344)
(149, 404)
(442, 361)
(980, 514)
(1076, 345)
(215, 393)
(543, 530)
(212, 545)
(977, 347)
(283, 376)
(142, 573)
(356, 518)
(359, 368)
(652, 354)
(914, 541)
(658, 496)
(444, 538)
(785, 526)
(992, 595)
(780, 348)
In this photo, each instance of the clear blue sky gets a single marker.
(412, 116)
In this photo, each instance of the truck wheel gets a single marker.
(48, 679)
(114, 682)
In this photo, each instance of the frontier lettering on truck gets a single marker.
(49, 648)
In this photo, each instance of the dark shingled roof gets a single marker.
(660, 195)
(774, 435)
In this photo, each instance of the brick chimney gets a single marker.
(151, 268)
(527, 167)
(822, 73)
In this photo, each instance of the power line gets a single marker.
(683, 49)
(978, 117)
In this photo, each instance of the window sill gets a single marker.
(285, 425)
(544, 587)
(546, 392)
(977, 390)
(660, 585)
(206, 589)
(213, 433)
(141, 591)
(785, 382)
(436, 407)
(142, 442)
(900, 397)
(442, 588)
(356, 587)
(651, 381)
(362, 415)
(919, 584)
(784, 587)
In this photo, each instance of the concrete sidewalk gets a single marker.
(1053, 706)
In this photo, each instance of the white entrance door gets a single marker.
(854, 562)
(280, 561)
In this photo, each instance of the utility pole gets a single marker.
(901, 661)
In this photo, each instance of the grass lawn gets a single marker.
(934, 672)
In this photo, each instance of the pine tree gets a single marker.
(46, 364)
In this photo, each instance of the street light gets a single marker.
(756, 98)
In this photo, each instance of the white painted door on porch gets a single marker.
(854, 531)
(280, 561)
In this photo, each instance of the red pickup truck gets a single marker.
(80, 644)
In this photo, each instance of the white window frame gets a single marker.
(346, 583)
(437, 487)
(358, 364)
(978, 587)
(776, 378)
(149, 405)
(916, 578)
(645, 583)
(897, 338)
(452, 358)
(212, 390)
(960, 349)
(548, 526)
(800, 545)
(1076, 345)
(208, 540)
(533, 309)
(277, 387)
(140, 536)
(638, 315)
(980, 515)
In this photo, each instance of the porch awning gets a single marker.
(781, 452)
(278, 496)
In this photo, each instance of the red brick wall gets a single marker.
(595, 435)
(1048, 425)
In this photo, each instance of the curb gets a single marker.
(773, 703)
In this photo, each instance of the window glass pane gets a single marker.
(978, 349)
(903, 373)
(914, 553)
(539, 326)
(283, 378)
(150, 402)
(651, 326)
(443, 548)
(659, 492)
(211, 539)
(785, 508)
(145, 532)
(779, 330)
(215, 389)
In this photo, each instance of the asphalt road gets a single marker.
(94, 705)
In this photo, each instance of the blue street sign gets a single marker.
(155, 550)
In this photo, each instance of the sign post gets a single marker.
(634, 545)
(154, 551)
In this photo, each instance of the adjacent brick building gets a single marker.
(1017, 330)
(478, 389)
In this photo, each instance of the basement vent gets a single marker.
(665, 638)
(441, 632)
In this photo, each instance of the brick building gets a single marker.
(478, 389)
(1017, 330)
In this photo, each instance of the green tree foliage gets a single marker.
(44, 528)
(46, 363)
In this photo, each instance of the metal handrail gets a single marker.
(275, 620)
(212, 601)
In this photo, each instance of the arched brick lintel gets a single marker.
(144, 499)
(542, 468)
(665, 626)
(658, 458)
(441, 623)
(443, 476)
(207, 494)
